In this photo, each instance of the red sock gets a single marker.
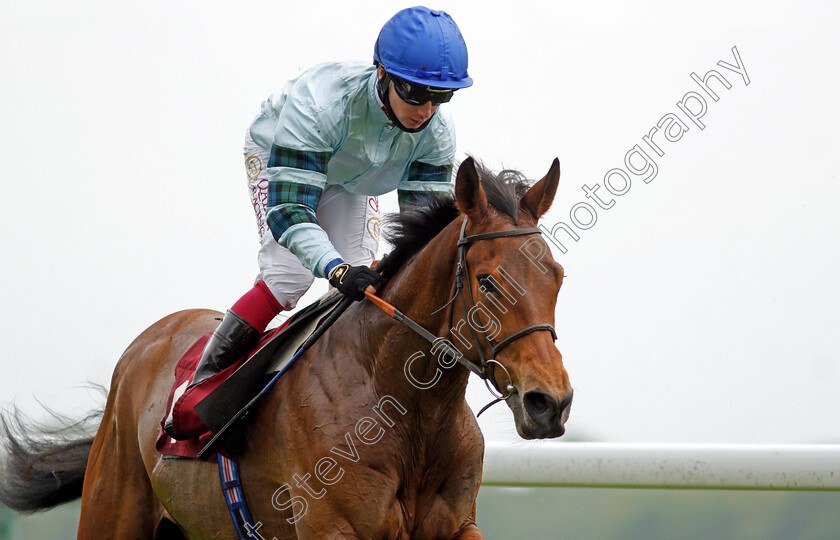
(257, 306)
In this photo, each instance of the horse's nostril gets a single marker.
(539, 405)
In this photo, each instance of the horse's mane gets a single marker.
(409, 231)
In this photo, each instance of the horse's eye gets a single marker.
(486, 283)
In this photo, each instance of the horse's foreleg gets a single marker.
(468, 531)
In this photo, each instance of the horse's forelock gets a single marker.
(411, 230)
(503, 189)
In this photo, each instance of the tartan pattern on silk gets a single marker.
(299, 159)
(409, 199)
(280, 192)
(423, 172)
(291, 204)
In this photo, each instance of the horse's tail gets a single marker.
(44, 466)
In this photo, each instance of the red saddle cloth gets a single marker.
(183, 410)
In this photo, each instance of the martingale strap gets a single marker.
(235, 499)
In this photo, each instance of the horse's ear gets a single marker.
(469, 195)
(538, 199)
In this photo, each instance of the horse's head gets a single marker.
(510, 288)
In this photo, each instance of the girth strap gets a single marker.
(235, 499)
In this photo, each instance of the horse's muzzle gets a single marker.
(546, 415)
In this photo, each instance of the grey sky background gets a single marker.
(702, 307)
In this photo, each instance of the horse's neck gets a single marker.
(419, 289)
(425, 283)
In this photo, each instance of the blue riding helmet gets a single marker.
(423, 46)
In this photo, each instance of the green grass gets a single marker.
(584, 513)
(56, 524)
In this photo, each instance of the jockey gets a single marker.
(323, 148)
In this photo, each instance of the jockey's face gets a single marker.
(411, 116)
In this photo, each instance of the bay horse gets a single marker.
(368, 435)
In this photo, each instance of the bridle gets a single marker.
(462, 272)
(444, 345)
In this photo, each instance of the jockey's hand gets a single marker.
(353, 280)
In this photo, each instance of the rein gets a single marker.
(228, 472)
(462, 270)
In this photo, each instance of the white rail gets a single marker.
(678, 466)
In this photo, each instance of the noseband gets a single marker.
(462, 272)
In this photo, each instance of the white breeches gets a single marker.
(351, 221)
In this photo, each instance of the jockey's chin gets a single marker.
(411, 116)
(413, 124)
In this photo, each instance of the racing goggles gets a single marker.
(420, 94)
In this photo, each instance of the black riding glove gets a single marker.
(353, 280)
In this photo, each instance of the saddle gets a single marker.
(208, 406)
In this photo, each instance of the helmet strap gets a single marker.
(382, 85)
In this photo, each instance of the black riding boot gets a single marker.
(232, 338)
(226, 345)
